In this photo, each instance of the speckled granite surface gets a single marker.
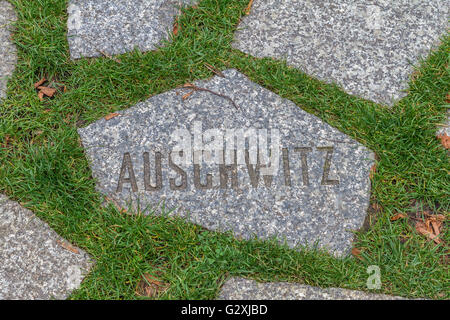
(367, 47)
(8, 56)
(118, 26)
(244, 289)
(319, 193)
(34, 263)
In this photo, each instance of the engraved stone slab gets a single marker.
(293, 176)
(244, 289)
(97, 27)
(367, 47)
(34, 263)
(8, 56)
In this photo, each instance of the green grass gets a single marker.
(44, 167)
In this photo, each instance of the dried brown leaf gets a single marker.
(68, 246)
(398, 216)
(445, 140)
(49, 92)
(439, 217)
(425, 231)
(41, 95)
(357, 253)
(111, 115)
(39, 83)
(176, 28)
(150, 286)
(436, 225)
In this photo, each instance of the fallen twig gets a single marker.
(195, 88)
(214, 70)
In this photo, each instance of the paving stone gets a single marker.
(319, 191)
(244, 289)
(97, 27)
(34, 262)
(368, 47)
(8, 55)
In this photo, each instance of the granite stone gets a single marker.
(8, 55)
(36, 263)
(244, 289)
(320, 191)
(97, 27)
(367, 47)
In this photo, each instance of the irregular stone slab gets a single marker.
(320, 191)
(244, 289)
(368, 47)
(34, 263)
(8, 54)
(97, 27)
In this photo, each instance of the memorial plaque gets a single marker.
(368, 47)
(8, 55)
(227, 154)
(108, 27)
